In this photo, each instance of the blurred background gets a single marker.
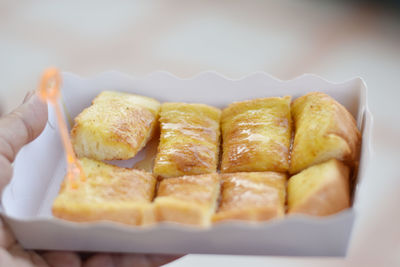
(334, 39)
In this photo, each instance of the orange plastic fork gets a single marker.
(49, 90)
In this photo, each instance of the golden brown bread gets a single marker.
(108, 193)
(189, 142)
(116, 126)
(256, 141)
(256, 135)
(324, 129)
(187, 199)
(321, 190)
(253, 196)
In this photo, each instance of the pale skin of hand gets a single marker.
(17, 129)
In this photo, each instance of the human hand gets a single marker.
(17, 129)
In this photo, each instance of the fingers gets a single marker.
(62, 259)
(157, 260)
(127, 260)
(100, 260)
(6, 171)
(17, 129)
(22, 257)
(6, 237)
(22, 126)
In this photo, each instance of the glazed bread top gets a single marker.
(256, 135)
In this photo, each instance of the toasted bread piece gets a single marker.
(108, 193)
(189, 142)
(324, 129)
(252, 196)
(187, 199)
(321, 190)
(256, 135)
(116, 126)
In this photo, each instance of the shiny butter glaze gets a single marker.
(189, 141)
(256, 135)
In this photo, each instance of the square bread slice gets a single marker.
(252, 196)
(321, 190)
(116, 126)
(108, 193)
(324, 129)
(256, 135)
(189, 142)
(187, 199)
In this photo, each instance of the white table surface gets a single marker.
(285, 38)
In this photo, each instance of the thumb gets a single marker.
(22, 126)
(17, 129)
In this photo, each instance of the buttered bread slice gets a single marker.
(116, 126)
(324, 129)
(252, 196)
(321, 190)
(256, 135)
(108, 193)
(187, 199)
(189, 141)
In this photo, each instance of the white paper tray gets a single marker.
(40, 168)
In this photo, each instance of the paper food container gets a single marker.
(40, 167)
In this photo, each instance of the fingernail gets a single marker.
(28, 96)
